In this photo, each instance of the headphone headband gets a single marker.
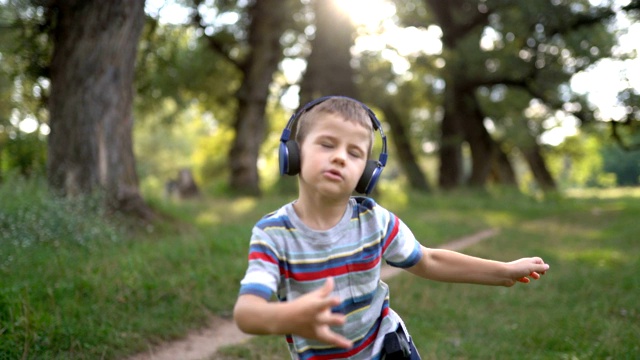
(289, 151)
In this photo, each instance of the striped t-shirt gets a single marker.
(288, 259)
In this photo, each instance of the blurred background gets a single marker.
(541, 96)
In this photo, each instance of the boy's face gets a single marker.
(333, 156)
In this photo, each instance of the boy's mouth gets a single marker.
(333, 174)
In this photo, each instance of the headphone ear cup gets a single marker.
(369, 177)
(289, 155)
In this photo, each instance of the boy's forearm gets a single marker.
(450, 266)
(256, 316)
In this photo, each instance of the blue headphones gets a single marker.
(289, 152)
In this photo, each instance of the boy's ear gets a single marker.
(289, 156)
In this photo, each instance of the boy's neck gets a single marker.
(320, 215)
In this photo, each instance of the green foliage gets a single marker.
(577, 161)
(539, 46)
(188, 72)
(175, 62)
(624, 164)
(164, 147)
(183, 106)
(25, 51)
(591, 160)
(519, 59)
(25, 153)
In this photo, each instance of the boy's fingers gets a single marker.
(324, 292)
(535, 275)
(327, 287)
(332, 338)
(542, 267)
(333, 319)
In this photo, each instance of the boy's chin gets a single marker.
(334, 191)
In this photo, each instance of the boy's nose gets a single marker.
(339, 155)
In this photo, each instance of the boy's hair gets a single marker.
(349, 109)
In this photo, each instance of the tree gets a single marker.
(92, 72)
(402, 141)
(261, 52)
(493, 49)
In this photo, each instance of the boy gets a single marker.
(321, 254)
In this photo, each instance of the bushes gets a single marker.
(29, 214)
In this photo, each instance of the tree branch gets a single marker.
(618, 138)
(214, 42)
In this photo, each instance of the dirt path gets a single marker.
(202, 344)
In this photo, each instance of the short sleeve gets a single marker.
(400, 247)
(263, 272)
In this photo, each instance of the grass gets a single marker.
(586, 307)
(76, 286)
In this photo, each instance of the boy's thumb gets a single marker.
(327, 288)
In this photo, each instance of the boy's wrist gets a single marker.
(508, 272)
(281, 323)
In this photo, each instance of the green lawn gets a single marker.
(73, 286)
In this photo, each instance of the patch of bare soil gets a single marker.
(199, 344)
(202, 344)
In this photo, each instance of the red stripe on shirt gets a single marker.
(392, 234)
(255, 255)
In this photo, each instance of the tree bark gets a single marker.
(480, 142)
(457, 20)
(91, 111)
(405, 154)
(501, 169)
(268, 22)
(538, 167)
(451, 139)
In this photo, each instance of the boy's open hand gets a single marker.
(311, 316)
(526, 268)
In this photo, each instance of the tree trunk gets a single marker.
(501, 170)
(538, 167)
(458, 20)
(91, 120)
(329, 70)
(405, 154)
(480, 142)
(451, 138)
(268, 22)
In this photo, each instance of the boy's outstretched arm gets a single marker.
(451, 266)
(308, 316)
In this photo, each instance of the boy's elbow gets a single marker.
(246, 315)
(239, 317)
